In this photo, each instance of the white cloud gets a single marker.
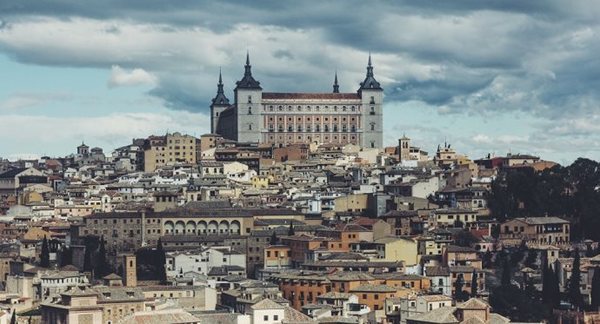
(121, 77)
(25, 100)
(62, 134)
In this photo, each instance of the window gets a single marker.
(266, 317)
(249, 99)
(249, 110)
(275, 317)
(372, 100)
(249, 126)
(372, 126)
(372, 112)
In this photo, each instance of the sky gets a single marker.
(488, 77)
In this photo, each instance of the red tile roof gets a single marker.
(288, 95)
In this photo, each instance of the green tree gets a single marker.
(550, 288)
(555, 289)
(532, 256)
(474, 285)
(45, 254)
(160, 262)
(574, 292)
(291, 231)
(595, 304)
(546, 298)
(487, 259)
(102, 265)
(459, 294)
(13, 318)
(274, 238)
(506, 273)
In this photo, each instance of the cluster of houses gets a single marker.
(256, 234)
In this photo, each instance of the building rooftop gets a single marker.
(317, 96)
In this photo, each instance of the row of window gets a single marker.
(308, 128)
(309, 108)
(317, 118)
(309, 138)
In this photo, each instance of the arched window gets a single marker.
(249, 110)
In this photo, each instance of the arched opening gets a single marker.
(190, 227)
(234, 227)
(223, 227)
(212, 227)
(179, 227)
(201, 228)
(169, 227)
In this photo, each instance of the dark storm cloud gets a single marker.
(490, 55)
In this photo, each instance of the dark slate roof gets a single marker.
(11, 173)
(437, 271)
(248, 82)
(542, 220)
(292, 95)
(458, 249)
(370, 82)
(220, 99)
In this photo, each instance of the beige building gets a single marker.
(81, 305)
(537, 230)
(393, 248)
(170, 149)
(351, 203)
(128, 230)
(453, 216)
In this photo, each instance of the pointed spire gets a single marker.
(370, 82)
(369, 67)
(248, 82)
(336, 86)
(220, 98)
(248, 67)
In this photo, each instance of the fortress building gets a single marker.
(281, 118)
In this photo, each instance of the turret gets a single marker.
(248, 99)
(336, 86)
(219, 103)
(371, 95)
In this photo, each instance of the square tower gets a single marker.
(371, 95)
(248, 102)
(129, 270)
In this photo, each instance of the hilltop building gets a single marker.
(281, 119)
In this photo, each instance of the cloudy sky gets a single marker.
(487, 76)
